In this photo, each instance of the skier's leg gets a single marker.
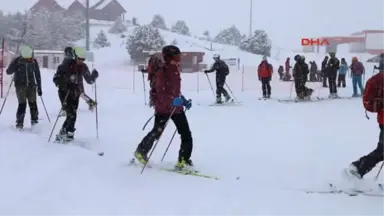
(147, 142)
(264, 87)
(72, 104)
(368, 162)
(183, 129)
(354, 84)
(268, 83)
(31, 94)
(339, 80)
(20, 113)
(360, 83)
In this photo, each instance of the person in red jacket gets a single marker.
(168, 105)
(373, 102)
(264, 72)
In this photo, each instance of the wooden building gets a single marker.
(190, 61)
(51, 59)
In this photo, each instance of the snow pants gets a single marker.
(24, 95)
(369, 161)
(301, 90)
(357, 81)
(181, 122)
(332, 84)
(266, 86)
(70, 103)
(341, 80)
(220, 82)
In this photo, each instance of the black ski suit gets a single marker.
(27, 80)
(333, 66)
(69, 80)
(313, 72)
(222, 71)
(324, 74)
(300, 74)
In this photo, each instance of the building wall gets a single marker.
(49, 60)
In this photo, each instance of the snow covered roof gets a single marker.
(101, 4)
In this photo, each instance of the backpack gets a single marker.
(374, 93)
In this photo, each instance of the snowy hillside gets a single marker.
(277, 150)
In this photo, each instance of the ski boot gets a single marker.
(268, 96)
(184, 165)
(34, 122)
(62, 113)
(356, 95)
(219, 100)
(141, 156)
(19, 125)
(64, 136)
(352, 173)
(333, 96)
(228, 98)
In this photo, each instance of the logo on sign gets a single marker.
(314, 42)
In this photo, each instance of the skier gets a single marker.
(313, 71)
(168, 104)
(264, 73)
(69, 80)
(373, 102)
(342, 73)
(222, 71)
(287, 76)
(307, 68)
(357, 71)
(27, 81)
(381, 64)
(300, 72)
(324, 71)
(333, 66)
(70, 59)
(281, 72)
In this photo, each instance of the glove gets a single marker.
(205, 71)
(95, 73)
(39, 92)
(182, 101)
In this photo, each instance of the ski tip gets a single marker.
(101, 153)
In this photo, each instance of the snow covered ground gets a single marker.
(276, 149)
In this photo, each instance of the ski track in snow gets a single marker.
(276, 149)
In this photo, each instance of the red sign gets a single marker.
(314, 42)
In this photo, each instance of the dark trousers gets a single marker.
(266, 86)
(341, 80)
(300, 88)
(369, 161)
(181, 122)
(220, 82)
(70, 104)
(324, 80)
(24, 95)
(332, 84)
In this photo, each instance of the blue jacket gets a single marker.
(343, 68)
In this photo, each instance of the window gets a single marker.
(56, 60)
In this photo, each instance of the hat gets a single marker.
(26, 52)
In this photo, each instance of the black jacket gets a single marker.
(333, 66)
(220, 67)
(26, 72)
(69, 76)
(300, 71)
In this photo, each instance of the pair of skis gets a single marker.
(182, 172)
(376, 191)
(77, 144)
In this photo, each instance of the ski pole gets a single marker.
(157, 141)
(58, 116)
(378, 173)
(145, 91)
(290, 91)
(45, 109)
(145, 125)
(96, 113)
(6, 96)
(170, 141)
(226, 84)
(210, 84)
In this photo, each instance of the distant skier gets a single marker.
(357, 72)
(27, 80)
(168, 104)
(381, 64)
(300, 72)
(69, 79)
(287, 76)
(333, 66)
(373, 102)
(324, 73)
(70, 59)
(280, 70)
(264, 72)
(222, 71)
(342, 73)
(313, 71)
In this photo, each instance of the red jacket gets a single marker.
(168, 85)
(264, 70)
(373, 96)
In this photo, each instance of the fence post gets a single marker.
(242, 79)
(2, 68)
(198, 81)
(133, 78)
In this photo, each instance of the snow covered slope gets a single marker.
(276, 149)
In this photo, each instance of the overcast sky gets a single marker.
(286, 21)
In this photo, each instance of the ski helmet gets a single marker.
(26, 52)
(79, 52)
(303, 57)
(216, 57)
(297, 58)
(171, 53)
(68, 52)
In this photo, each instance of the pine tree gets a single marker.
(118, 27)
(144, 38)
(101, 41)
(159, 22)
(231, 36)
(258, 44)
(181, 27)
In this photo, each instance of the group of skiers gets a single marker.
(68, 79)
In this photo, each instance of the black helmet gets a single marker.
(297, 58)
(171, 50)
(68, 52)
